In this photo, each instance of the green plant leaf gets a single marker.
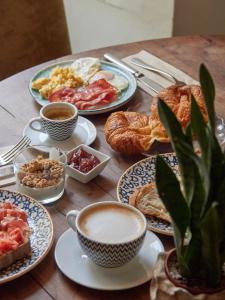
(169, 191)
(193, 250)
(217, 172)
(199, 129)
(176, 135)
(188, 134)
(179, 244)
(208, 89)
(211, 238)
(200, 175)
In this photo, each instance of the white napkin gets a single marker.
(156, 62)
(7, 180)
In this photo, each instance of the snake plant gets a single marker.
(196, 202)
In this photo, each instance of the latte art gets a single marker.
(111, 224)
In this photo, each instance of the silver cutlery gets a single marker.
(138, 62)
(138, 75)
(9, 155)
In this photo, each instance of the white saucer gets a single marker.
(84, 133)
(78, 267)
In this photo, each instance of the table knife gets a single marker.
(138, 75)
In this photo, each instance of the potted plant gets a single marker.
(196, 202)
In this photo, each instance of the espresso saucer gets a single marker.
(79, 268)
(84, 133)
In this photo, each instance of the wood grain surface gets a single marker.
(46, 281)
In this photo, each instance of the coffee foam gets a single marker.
(111, 223)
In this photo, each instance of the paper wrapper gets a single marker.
(161, 288)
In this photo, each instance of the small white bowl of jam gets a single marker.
(85, 163)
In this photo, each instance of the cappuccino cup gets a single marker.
(58, 120)
(110, 233)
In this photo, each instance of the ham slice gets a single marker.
(94, 95)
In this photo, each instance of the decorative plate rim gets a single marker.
(149, 227)
(51, 240)
(90, 111)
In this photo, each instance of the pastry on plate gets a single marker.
(178, 98)
(128, 132)
(133, 133)
(147, 200)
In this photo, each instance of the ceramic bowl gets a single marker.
(86, 177)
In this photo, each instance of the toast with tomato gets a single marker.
(14, 234)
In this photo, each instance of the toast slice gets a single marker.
(147, 200)
(10, 257)
(14, 234)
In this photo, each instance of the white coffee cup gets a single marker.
(110, 233)
(58, 120)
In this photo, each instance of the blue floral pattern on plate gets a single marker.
(123, 97)
(41, 238)
(139, 174)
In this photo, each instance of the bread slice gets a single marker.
(147, 200)
(10, 257)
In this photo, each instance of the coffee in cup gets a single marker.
(58, 120)
(110, 233)
(111, 223)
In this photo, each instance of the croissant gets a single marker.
(128, 132)
(133, 133)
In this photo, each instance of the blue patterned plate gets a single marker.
(136, 176)
(41, 238)
(123, 97)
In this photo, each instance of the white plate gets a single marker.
(78, 267)
(84, 133)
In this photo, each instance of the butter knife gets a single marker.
(155, 87)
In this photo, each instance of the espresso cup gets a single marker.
(110, 233)
(58, 120)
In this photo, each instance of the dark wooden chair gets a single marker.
(31, 32)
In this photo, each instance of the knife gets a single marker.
(138, 75)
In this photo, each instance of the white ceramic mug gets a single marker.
(108, 254)
(57, 129)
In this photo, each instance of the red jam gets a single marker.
(83, 161)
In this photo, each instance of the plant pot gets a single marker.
(163, 287)
(171, 262)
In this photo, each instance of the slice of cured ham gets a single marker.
(94, 95)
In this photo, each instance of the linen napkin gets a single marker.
(6, 180)
(156, 62)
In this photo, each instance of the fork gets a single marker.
(9, 155)
(138, 62)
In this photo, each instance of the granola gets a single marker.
(40, 173)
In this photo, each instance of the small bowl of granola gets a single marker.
(40, 173)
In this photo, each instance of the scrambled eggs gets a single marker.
(59, 77)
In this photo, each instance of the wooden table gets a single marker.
(46, 282)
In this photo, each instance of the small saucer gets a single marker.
(84, 133)
(79, 268)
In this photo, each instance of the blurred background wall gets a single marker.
(98, 23)
(32, 32)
